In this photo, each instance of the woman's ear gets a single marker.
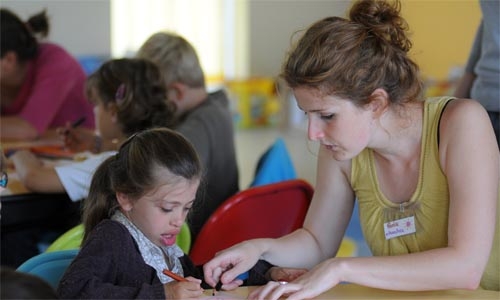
(379, 102)
(125, 202)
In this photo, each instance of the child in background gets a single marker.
(129, 96)
(204, 119)
(42, 85)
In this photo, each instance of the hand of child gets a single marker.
(24, 161)
(183, 289)
(285, 274)
(77, 139)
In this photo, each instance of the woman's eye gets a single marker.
(165, 209)
(187, 208)
(327, 117)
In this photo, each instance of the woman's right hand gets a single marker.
(229, 263)
(77, 139)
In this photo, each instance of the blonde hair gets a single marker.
(176, 58)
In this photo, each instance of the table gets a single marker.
(31, 221)
(353, 291)
(22, 208)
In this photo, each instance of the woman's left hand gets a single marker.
(309, 285)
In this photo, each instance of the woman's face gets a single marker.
(9, 70)
(160, 213)
(336, 123)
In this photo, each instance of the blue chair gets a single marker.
(274, 165)
(49, 266)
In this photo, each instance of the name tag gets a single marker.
(399, 227)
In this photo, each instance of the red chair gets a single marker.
(271, 211)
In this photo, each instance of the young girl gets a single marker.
(425, 172)
(128, 96)
(138, 200)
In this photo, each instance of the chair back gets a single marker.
(271, 211)
(49, 266)
(274, 165)
(71, 239)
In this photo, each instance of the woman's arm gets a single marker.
(17, 128)
(320, 237)
(326, 220)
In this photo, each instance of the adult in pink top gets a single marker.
(42, 85)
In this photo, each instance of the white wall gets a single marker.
(80, 26)
(272, 23)
(83, 27)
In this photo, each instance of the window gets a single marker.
(216, 28)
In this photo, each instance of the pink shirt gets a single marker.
(53, 92)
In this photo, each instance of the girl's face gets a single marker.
(337, 124)
(160, 213)
(105, 118)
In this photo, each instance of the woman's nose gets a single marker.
(314, 131)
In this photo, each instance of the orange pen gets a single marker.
(173, 275)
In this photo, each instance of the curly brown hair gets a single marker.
(350, 58)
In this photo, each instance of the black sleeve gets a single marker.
(257, 274)
(194, 271)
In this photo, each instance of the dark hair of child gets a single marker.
(137, 168)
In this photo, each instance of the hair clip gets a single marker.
(120, 94)
(4, 179)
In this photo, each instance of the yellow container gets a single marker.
(255, 102)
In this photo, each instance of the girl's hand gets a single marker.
(24, 161)
(25, 158)
(183, 289)
(77, 139)
(309, 285)
(229, 263)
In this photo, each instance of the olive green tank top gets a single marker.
(427, 208)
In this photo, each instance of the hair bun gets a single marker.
(383, 20)
(39, 24)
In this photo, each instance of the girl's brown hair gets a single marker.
(135, 87)
(136, 169)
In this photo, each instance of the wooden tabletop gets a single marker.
(352, 291)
